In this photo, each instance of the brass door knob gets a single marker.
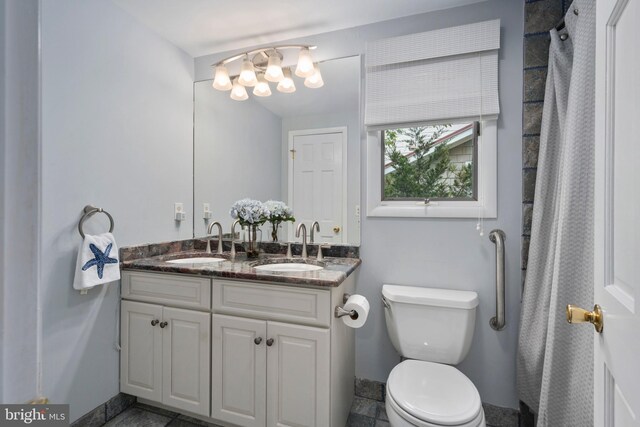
(580, 315)
(336, 229)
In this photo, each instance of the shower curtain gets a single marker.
(555, 359)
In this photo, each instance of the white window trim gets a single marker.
(486, 206)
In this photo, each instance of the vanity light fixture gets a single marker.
(314, 81)
(287, 85)
(247, 73)
(305, 64)
(238, 92)
(264, 65)
(222, 81)
(262, 87)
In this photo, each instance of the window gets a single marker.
(434, 162)
(482, 201)
(431, 108)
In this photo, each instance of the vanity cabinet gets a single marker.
(269, 371)
(165, 352)
(237, 352)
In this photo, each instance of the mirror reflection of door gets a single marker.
(241, 150)
(316, 182)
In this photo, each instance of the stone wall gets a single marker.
(540, 17)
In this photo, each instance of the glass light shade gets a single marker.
(247, 74)
(274, 69)
(238, 92)
(286, 85)
(221, 80)
(305, 63)
(314, 81)
(262, 88)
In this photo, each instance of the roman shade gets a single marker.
(448, 75)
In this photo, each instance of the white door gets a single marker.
(239, 370)
(297, 376)
(141, 352)
(185, 358)
(316, 184)
(617, 213)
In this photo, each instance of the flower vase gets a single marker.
(274, 231)
(252, 239)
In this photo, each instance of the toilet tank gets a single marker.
(430, 324)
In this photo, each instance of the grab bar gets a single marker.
(497, 237)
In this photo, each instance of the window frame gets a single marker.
(487, 186)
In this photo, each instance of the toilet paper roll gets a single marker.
(360, 306)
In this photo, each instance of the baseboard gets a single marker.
(105, 411)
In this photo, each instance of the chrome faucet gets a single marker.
(232, 253)
(315, 226)
(220, 251)
(303, 227)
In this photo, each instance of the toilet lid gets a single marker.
(433, 392)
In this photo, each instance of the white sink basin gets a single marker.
(288, 267)
(196, 260)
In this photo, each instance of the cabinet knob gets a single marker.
(258, 340)
(163, 324)
(154, 322)
(270, 342)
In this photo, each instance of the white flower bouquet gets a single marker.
(278, 213)
(250, 212)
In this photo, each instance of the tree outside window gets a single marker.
(430, 162)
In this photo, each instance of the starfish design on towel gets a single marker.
(101, 258)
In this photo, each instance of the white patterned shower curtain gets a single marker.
(555, 359)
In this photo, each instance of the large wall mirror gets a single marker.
(302, 148)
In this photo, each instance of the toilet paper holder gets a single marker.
(341, 312)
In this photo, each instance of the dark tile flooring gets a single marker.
(364, 413)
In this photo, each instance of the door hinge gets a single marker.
(293, 154)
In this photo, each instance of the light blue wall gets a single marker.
(441, 252)
(237, 154)
(117, 133)
(19, 201)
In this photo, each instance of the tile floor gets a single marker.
(364, 413)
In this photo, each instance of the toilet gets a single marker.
(432, 329)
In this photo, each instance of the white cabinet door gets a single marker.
(141, 354)
(239, 370)
(185, 358)
(297, 376)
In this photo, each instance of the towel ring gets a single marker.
(90, 211)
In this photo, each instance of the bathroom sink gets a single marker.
(196, 260)
(288, 267)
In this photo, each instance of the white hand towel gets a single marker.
(97, 261)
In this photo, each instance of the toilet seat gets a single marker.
(433, 394)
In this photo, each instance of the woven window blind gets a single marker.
(447, 75)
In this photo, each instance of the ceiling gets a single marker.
(202, 27)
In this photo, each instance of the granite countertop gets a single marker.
(335, 271)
